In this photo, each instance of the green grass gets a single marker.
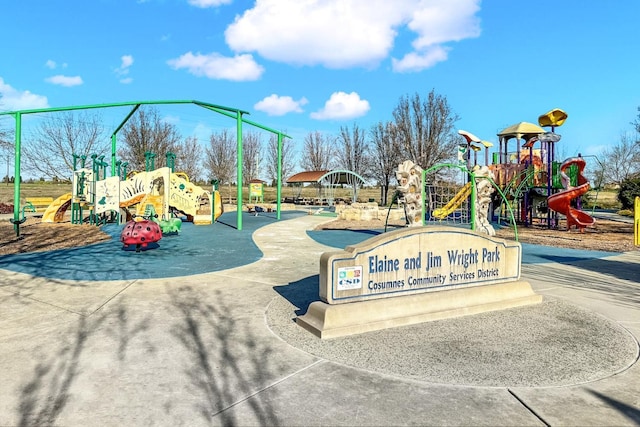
(36, 189)
(50, 189)
(602, 200)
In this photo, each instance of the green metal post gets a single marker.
(113, 155)
(423, 198)
(239, 170)
(472, 200)
(171, 160)
(16, 175)
(279, 183)
(214, 188)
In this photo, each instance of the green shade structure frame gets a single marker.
(233, 113)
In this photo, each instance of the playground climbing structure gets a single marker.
(168, 193)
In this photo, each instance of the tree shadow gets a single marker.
(622, 270)
(617, 279)
(44, 396)
(631, 412)
(301, 293)
(226, 358)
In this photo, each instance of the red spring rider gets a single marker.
(140, 233)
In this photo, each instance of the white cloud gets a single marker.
(66, 81)
(216, 66)
(444, 21)
(275, 105)
(126, 61)
(349, 33)
(342, 105)
(50, 64)
(171, 119)
(13, 100)
(208, 3)
(414, 61)
(202, 132)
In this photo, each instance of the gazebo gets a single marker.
(327, 181)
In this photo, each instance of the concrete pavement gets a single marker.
(221, 348)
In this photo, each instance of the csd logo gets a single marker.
(349, 282)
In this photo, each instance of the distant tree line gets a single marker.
(619, 165)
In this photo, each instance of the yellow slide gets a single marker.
(453, 204)
(55, 211)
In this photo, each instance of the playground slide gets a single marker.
(561, 202)
(454, 203)
(55, 211)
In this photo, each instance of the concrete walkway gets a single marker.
(221, 348)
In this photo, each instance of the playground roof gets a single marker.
(326, 177)
(553, 118)
(522, 130)
(472, 138)
(307, 176)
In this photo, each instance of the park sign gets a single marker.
(412, 261)
(413, 275)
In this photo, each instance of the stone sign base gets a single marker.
(337, 320)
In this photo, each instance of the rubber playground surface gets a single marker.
(208, 248)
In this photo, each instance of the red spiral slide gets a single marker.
(561, 202)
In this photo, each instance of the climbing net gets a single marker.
(447, 202)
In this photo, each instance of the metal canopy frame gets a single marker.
(330, 180)
(233, 113)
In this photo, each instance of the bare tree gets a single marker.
(147, 132)
(317, 153)
(636, 125)
(425, 129)
(220, 157)
(189, 158)
(272, 158)
(6, 139)
(7, 152)
(352, 150)
(385, 156)
(620, 161)
(251, 156)
(352, 153)
(49, 150)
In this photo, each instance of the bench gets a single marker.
(37, 204)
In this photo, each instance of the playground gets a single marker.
(615, 235)
(199, 328)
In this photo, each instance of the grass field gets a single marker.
(50, 189)
(605, 199)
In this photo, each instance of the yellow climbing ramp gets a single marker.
(453, 204)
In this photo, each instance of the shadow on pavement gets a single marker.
(301, 293)
(631, 412)
(196, 250)
(226, 358)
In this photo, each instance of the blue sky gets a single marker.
(314, 65)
